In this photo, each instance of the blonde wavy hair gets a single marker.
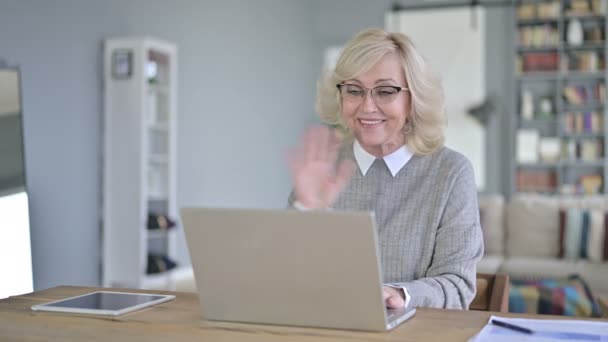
(427, 118)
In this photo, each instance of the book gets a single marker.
(591, 184)
(536, 180)
(540, 61)
(549, 149)
(527, 145)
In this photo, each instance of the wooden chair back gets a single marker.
(492, 293)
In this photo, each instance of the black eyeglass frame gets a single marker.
(397, 88)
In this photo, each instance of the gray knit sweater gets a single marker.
(428, 225)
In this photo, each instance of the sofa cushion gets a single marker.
(491, 215)
(532, 227)
(538, 268)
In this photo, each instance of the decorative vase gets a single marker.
(575, 32)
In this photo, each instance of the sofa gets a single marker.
(526, 237)
(522, 239)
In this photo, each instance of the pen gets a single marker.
(511, 326)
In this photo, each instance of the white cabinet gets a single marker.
(139, 175)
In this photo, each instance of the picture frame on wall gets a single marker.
(122, 64)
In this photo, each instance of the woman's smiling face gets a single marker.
(378, 125)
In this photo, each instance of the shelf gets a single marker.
(539, 76)
(563, 163)
(141, 176)
(582, 135)
(586, 46)
(580, 163)
(585, 75)
(584, 16)
(539, 165)
(538, 191)
(537, 21)
(554, 75)
(583, 107)
(530, 49)
(549, 120)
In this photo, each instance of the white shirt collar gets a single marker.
(395, 161)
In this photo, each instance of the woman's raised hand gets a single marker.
(317, 179)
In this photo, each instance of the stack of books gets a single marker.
(589, 150)
(586, 61)
(538, 36)
(583, 122)
(536, 180)
(538, 61)
(582, 94)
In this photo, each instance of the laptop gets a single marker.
(288, 267)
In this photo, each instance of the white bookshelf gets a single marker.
(139, 176)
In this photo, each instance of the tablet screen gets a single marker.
(105, 302)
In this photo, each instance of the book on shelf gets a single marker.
(569, 149)
(538, 61)
(587, 150)
(547, 10)
(584, 61)
(549, 149)
(588, 122)
(536, 180)
(543, 35)
(586, 7)
(526, 11)
(591, 184)
(600, 92)
(574, 95)
(590, 150)
(584, 93)
(540, 10)
(527, 145)
(593, 32)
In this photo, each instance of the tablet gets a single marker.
(104, 303)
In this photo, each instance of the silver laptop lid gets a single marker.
(286, 267)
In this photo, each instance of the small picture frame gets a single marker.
(122, 64)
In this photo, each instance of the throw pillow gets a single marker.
(567, 296)
(583, 234)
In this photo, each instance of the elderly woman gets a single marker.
(387, 156)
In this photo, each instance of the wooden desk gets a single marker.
(180, 320)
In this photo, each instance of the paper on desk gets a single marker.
(545, 330)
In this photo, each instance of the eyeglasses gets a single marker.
(380, 94)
